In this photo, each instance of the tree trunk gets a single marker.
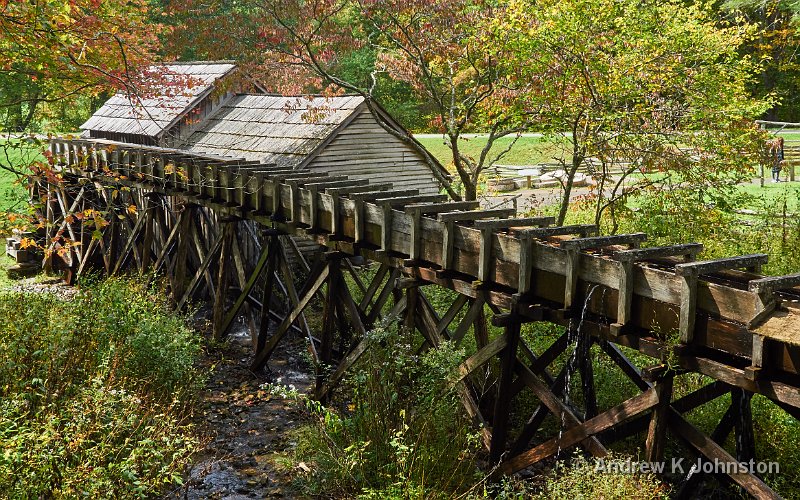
(577, 159)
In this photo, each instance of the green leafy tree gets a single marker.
(634, 87)
(57, 51)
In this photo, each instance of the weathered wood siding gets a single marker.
(364, 150)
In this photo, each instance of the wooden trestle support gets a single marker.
(219, 228)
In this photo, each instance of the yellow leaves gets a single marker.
(27, 243)
(132, 210)
(169, 169)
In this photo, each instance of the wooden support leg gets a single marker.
(149, 234)
(502, 404)
(265, 347)
(229, 233)
(657, 432)
(181, 232)
(266, 299)
(412, 302)
(745, 439)
(328, 328)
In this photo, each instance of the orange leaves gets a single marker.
(27, 243)
(132, 209)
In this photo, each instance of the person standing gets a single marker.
(776, 154)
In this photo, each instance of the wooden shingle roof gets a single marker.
(273, 129)
(184, 85)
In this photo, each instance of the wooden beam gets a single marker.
(712, 451)
(228, 234)
(475, 215)
(217, 245)
(248, 286)
(502, 404)
(262, 356)
(573, 436)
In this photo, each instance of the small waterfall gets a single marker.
(573, 339)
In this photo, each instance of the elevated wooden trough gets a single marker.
(719, 318)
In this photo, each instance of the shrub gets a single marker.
(95, 393)
(403, 433)
(583, 479)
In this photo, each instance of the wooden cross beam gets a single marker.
(263, 354)
(610, 418)
(475, 215)
(373, 196)
(626, 259)
(690, 273)
(573, 248)
(437, 208)
(403, 201)
(546, 232)
(209, 257)
(366, 188)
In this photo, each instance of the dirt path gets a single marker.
(246, 426)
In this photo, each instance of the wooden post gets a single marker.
(745, 439)
(584, 363)
(502, 404)
(656, 433)
(181, 255)
(221, 290)
(266, 300)
(328, 325)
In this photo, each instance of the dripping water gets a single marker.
(573, 339)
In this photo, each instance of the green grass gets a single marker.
(526, 150)
(774, 195)
(19, 156)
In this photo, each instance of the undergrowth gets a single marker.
(401, 432)
(96, 393)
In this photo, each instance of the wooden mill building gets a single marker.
(212, 108)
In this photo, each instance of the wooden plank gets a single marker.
(263, 355)
(498, 224)
(715, 452)
(715, 265)
(545, 232)
(774, 283)
(383, 194)
(573, 436)
(638, 254)
(209, 257)
(475, 215)
(604, 241)
(429, 209)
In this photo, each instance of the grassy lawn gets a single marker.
(15, 155)
(526, 151)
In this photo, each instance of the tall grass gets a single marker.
(95, 393)
(401, 431)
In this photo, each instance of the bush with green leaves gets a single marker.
(581, 478)
(95, 392)
(402, 432)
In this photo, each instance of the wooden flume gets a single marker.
(220, 229)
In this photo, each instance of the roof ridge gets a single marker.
(197, 63)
